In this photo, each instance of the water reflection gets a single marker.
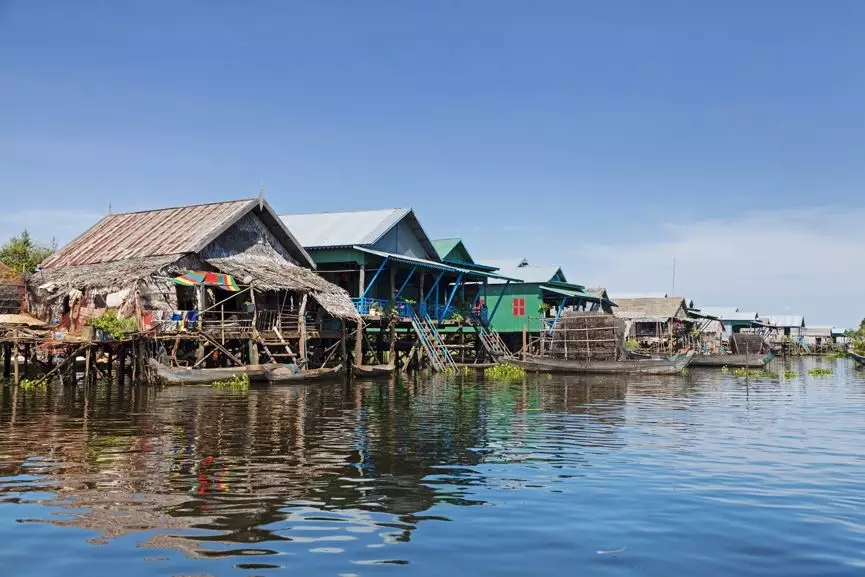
(341, 471)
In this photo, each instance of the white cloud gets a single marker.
(803, 261)
(47, 224)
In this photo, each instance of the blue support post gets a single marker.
(375, 276)
(558, 314)
(501, 297)
(408, 278)
(457, 284)
(434, 287)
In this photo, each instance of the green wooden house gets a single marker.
(537, 302)
(385, 258)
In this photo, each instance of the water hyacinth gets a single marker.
(505, 371)
(236, 383)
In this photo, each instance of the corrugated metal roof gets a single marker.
(331, 229)
(165, 231)
(529, 274)
(718, 312)
(570, 293)
(168, 231)
(784, 321)
(444, 246)
(423, 263)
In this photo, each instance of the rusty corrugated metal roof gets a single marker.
(185, 229)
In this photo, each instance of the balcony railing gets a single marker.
(382, 307)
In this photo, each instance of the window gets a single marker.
(519, 306)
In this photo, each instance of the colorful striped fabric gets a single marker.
(223, 281)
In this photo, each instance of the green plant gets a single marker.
(632, 344)
(236, 383)
(742, 372)
(27, 384)
(459, 318)
(819, 372)
(110, 324)
(725, 369)
(505, 371)
(790, 374)
(23, 255)
(835, 355)
(544, 307)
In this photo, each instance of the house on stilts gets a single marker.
(217, 284)
(535, 304)
(415, 303)
(660, 324)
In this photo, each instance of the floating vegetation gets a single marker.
(835, 355)
(725, 369)
(505, 371)
(27, 384)
(462, 371)
(790, 374)
(819, 372)
(742, 372)
(236, 383)
(685, 372)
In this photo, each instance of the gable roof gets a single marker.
(650, 309)
(444, 246)
(358, 228)
(169, 231)
(784, 321)
(529, 273)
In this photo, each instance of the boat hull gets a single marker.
(280, 376)
(860, 360)
(669, 366)
(372, 370)
(747, 361)
(257, 374)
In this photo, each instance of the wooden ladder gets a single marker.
(493, 343)
(432, 343)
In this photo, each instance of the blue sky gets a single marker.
(569, 132)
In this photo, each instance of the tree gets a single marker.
(21, 254)
(857, 339)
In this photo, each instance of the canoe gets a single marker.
(372, 370)
(860, 360)
(477, 366)
(755, 361)
(187, 376)
(667, 366)
(273, 374)
(283, 375)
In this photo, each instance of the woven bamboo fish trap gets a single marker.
(746, 344)
(587, 336)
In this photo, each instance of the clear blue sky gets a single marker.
(507, 123)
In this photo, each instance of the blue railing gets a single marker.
(439, 312)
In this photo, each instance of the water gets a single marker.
(705, 474)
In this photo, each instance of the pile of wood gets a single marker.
(587, 336)
(747, 344)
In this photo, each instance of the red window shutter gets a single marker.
(519, 307)
(522, 307)
(515, 306)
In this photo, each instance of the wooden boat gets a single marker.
(273, 374)
(284, 375)
(860, 360)
(667, 366)
(187, 376)
(755, 361)
(477, 366)
(372, 370)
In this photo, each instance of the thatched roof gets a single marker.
(9, 276)
(659, 309)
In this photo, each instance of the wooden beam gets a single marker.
(221, 348)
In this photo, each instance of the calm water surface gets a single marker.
(705, 474)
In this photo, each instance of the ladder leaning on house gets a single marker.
(492, 342)
(432, 342)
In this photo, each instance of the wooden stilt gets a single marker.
(358, 341)
(16, 377)
(7, 360)
(343, 348)
(301, 325)
(26, 359)
(87, 354)
(121, 365)
(391, 354)
(525, 341)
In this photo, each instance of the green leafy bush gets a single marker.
(111, 324)
(236, 383)
(505, 371)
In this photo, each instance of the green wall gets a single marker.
(504, 320)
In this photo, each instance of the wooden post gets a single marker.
(110, 365)
(361, 280)
(26, 358)
(121, 365)
(344, 351)
(301, 325)
(358, 342)
(525, 341)
(16, 376)
(391, 355)
(87, 354)
(7, 360)
(392, 282)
